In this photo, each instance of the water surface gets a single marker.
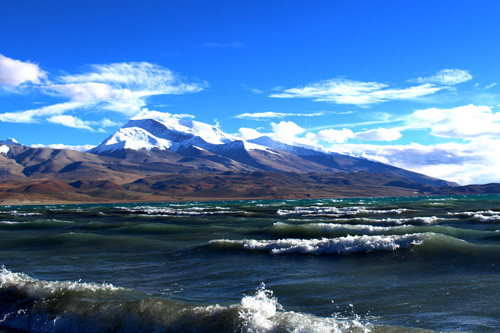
(370, 264)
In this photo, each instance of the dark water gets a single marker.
(355, 265)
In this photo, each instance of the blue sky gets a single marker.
(410, 83)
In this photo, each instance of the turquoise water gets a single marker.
(356, 265)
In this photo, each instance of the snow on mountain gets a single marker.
(192, 140)
(10, 141)
(134, 138)
(153, 129)
(269, 142)
(150, 121)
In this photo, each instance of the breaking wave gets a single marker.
(340, 245)
(336, 211)
(179, 210)
(320, 230)
(44, 306)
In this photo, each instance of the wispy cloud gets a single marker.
(490, 86)
(75, 122)
(120, 87)
(36, 115)
(256, 91)
(342, 91)
(69, 121)
(273, 115)
(479, 86)
(225, 45)
(14, 73)
(380, 134)
(446, 77)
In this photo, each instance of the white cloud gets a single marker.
(118, 87)
(490, 86)
(332, 135)
(147, 114)
(379, 134)
(183, 115)
(124, 87)
(464, 122)
(35, 115)
(70, 121)
(248, 133)
(75, 122)
(82, 148)
(142, 78)
(14, 72)
(271, 114)
(108, 123)
(475, 162)
(446, 77)
(342, 91)
(286, 130)
(89, 92)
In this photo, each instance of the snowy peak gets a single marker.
(154, 121)
(153, 129)
(205, 147)
(4, 145)
(10, 141)
(134, 138)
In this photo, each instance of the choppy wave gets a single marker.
(315, 230)
(481, 215)
(19, 214)
(336, 211)
(179, 210)
(340, 245)
(44, 306)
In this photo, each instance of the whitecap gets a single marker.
(341, 245)
(42, 288)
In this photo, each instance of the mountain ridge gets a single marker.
(152, 130)
(170, 159)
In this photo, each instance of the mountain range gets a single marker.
(159, 157)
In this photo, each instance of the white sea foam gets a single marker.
(43, 309)
(42, 288)
(17, 213)
(481, 215)
(336, 211)
(417, 219)
(486, 218)
(400, 221)
(389, 220)
(340, 245)
(262, 313)
(336, 227)
(184, 211)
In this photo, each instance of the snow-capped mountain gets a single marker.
(153, 129)
(10, 141)
(4, 145)
(160, 136)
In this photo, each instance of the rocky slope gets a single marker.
(153, 134)
(156, 157)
